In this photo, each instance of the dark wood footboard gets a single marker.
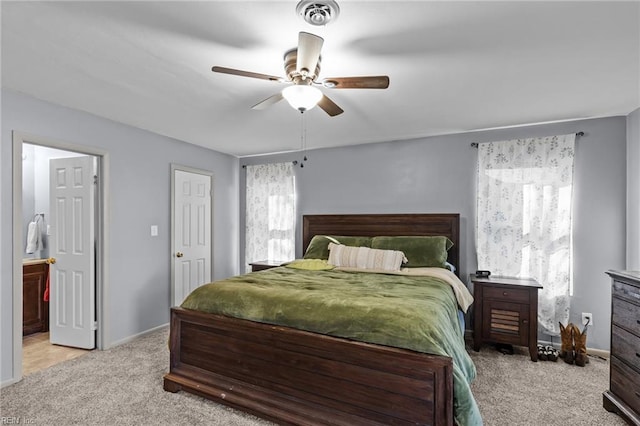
(296, 377)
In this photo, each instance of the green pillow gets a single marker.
(310, 265)
(319, 245)
(420, 251)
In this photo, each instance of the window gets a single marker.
(524, 217)
(270, 213)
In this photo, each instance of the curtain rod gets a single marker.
(294, 162)
(475, 144)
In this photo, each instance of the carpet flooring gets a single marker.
(123, 386)
(512, 390)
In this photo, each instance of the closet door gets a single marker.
(191, 222)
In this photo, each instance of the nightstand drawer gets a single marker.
(626, 315)
(625, 346)
(625, 383)
(507, 294)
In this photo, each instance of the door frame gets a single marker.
(101, 234)
(174, 168)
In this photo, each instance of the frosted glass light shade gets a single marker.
(302, 97)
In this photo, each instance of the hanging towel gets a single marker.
(34, 234)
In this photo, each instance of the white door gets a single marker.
(192, 233)
(72, 277)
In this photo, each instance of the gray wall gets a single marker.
(139, 285)
(633, 190)
(438, 174)
(435, 174)
(29, 196)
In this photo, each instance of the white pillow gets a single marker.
(365, 257)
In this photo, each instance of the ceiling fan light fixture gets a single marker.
(302, 97)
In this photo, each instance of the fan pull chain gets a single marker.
(303, 139)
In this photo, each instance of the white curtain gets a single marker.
(270, 213)
(524, 217)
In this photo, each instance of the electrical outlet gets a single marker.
(586, 316)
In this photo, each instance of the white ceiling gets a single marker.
(453, 66)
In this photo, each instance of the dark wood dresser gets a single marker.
(506, 311)
(35, 311)
(623, 396)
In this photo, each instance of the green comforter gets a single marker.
(412, 312)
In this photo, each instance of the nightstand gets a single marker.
(261, 265)
(506, 311)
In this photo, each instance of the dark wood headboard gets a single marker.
(371, 225)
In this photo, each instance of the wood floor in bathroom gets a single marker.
(38, 353)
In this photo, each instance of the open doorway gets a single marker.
(40, 165)
(40, 260)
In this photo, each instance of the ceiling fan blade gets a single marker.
(269, 101)
(329, 106)
(241, 73)
(370, 82)
(309, 47)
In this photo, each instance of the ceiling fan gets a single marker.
(302, 67)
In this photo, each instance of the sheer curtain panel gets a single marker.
(270, 214)
(524, 217)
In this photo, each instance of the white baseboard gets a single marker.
(138, 335)
(119, 342)
(8, 382)
(599, 353)
(468, 335)
(590, 351)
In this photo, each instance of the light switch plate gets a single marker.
(154, 230)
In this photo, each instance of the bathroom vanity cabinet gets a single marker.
(35, 311)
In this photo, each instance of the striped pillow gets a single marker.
(365, 258)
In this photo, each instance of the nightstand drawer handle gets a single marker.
(504, 293)
(524, 321)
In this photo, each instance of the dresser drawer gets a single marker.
(625, 383)
(625, 346)
(626, 315)
(507, 294)
(626, 291)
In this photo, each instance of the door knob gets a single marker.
(179, 254)
(51, 261)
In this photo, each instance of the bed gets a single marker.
(306, 376)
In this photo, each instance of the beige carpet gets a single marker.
(124, 386)
(512, 390)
